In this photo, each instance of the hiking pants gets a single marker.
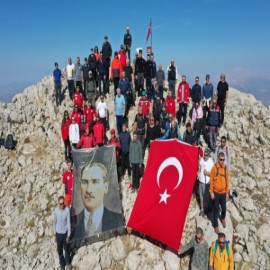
(125, 163)
(204, 198)
(220, 199)
(221, 104)
(172, 87)
(71, 88)
(182, 112)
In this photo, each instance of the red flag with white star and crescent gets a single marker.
(161, 206)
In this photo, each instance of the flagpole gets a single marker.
(151, 35)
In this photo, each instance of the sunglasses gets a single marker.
(221, 243)
(223, 141)
(62, 203)
(221, 159)
(151, 119)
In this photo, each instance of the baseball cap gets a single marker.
(112, 131)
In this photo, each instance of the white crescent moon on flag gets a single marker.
(172, 161)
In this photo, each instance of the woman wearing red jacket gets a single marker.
(65, 133)
(99, 131)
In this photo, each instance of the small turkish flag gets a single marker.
(161, 206)
(149, 31)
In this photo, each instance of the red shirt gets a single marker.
(170, 105)
(145, 104)
(65, 129)
(123, 58)
(99, 132)
(86, 141)
(77, 116)
(68, 181)
(89, 112)
(117, 146)
(78, 99)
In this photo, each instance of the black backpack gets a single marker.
(9, 142)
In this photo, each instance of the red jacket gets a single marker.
(116, 68)
(78, 99)
(89, 112)
(186, 93)
(99, 132)
(68, 181)
(145, 104)
(65, 129)
(117, 146)
(77, 116)
(82, 128)
(87, 141)
(123, 58)
(170, 105)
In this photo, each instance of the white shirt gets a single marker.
(102, 108)
(97, 217)
(205, 165)
(74, 133)
(70, 71)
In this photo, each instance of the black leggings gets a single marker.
(67, 148)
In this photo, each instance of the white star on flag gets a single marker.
(164, 197)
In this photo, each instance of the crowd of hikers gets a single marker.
(161, 113)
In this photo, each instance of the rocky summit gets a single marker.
(30, 183)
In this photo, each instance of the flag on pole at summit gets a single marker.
(161, 206)
(149, 32)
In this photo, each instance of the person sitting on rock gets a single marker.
(197, 119)
(189, 136)
(87, 140)
(145, 104)
(200, 255)
(172, 132)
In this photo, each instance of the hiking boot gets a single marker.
(132, 190)
(202, 214)
(223, 222)
(217, 230)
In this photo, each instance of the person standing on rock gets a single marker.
(219, 190)
(65, 133)
(67, 180)
(207, 91)
(160, 78)
(196, 92)
(200, 255)
(221, 254)
(222, 96)
(57, 84)
(213, 124)
(70, 70)
(85, 70)
(227, 152)
(107, 54)
(62, 230)
(74, 132)
(135, 159)
(119, 108)
(91, 90)
(172, 77)
(205, 166)
(78, 74)
(128, 41)
(116, 71)
(183, 96)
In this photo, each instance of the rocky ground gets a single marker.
(30, 183)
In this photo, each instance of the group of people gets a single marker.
(158, 118)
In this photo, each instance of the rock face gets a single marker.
(30, 183)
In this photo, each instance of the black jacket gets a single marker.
(127, 39)
(106, 50)
(139, 65)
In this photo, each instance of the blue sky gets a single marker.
(206, 36)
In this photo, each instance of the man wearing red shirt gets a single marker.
(87, 140)
(89, 111)
(67, 180)
(66, 121)
(76, 114)
(170, 104)
(99, 131)
(78, 98)
(183, 97)
(122, 56)
(145, 104)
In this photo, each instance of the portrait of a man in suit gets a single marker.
(95, 217)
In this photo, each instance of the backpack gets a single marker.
(217, 173)
(9, 142)
(226, 246)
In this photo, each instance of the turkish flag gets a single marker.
(161, 206)
(149, 31)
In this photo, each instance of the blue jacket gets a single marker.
(208, 90)
(213, 118)
(124, 85)
(125, 140)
